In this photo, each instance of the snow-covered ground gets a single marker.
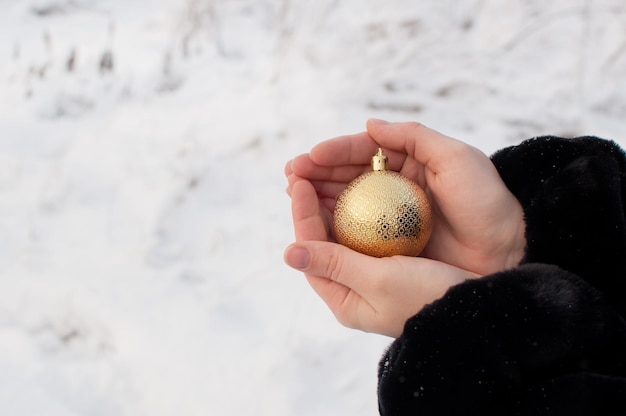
(142, 207)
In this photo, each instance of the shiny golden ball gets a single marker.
(382, 213)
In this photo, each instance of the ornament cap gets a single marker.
(380, 161)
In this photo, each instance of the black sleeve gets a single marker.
(547, 337)
(573, 193)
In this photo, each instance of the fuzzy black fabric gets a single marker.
(547, 337)
(573, 193)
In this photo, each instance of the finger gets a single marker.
(355, 149)
(305, 167)
(288, 170)
(308, 219)
(326, 191)
(291, 180)
(290, 176)
(329, 189)
(427, 146)
(350, 149)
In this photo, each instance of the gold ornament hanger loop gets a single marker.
(380, 161)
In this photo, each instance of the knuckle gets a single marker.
(334, 266)
(415, 125)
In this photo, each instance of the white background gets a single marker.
(142, 207)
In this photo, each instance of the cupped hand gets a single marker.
(367, 293)
(478, 224)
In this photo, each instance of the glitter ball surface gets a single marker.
(383, 213)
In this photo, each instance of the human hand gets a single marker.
(478, 224)
(372, 294)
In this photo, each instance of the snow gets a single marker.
(142, 207)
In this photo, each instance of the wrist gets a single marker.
(518, 248)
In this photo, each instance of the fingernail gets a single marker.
(297, 257)
(379, 121)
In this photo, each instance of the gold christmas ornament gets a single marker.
(382, 213)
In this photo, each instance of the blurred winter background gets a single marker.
(142, 207)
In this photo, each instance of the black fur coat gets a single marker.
(547, 337)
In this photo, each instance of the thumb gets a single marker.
(337, 263)
(427, 146)
(371, 294)
(340, 277)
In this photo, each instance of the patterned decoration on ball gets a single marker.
(382, 213)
